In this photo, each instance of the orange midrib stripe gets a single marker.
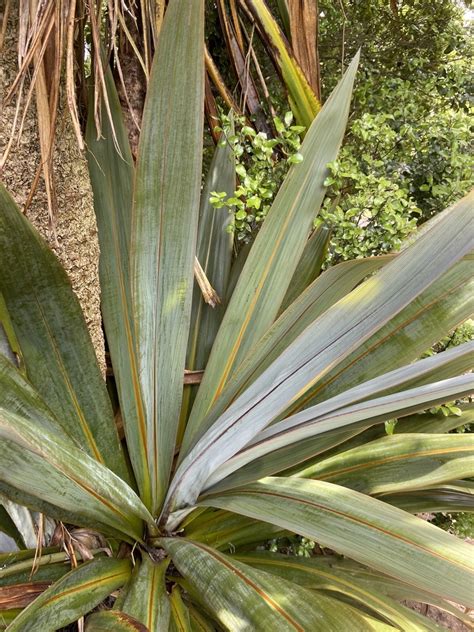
(391, 459)
(334, 578)
(131, 348)
(91, 584)
(348, 517)
(232, 355)
(151, 602)
(273, 604)
(72, 394)
(299, 404)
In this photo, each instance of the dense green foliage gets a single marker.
(406, 155)
(261, 164)
(407, 152)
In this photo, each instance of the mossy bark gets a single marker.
(77, 244)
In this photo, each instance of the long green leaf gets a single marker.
(21, 572)
(9, 345)
(69, 514)
(417, 423)
(399, 463)
(53, 336)
(309, 266)
(284, 435)
(308, 573)
(438, 310)
(291, 458)
(15, 562)
(146, 599)
(363, 528)
(226, 531)
(439, 367)
(241, 597)
(325, 291)
(113, 621)
(111, 171)
(393, 588)
(38, 462)
(449, 498)
(214, 252)
(275, 253)
(180, 618)
(303, 101)
(329, 340)
(164, 227)
(72, 596)
(18, 396)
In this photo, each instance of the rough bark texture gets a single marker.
(135, 85)
(77, 247)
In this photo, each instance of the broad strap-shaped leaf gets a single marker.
(55, 343)
(418, 423)
(285, 434)
(389, 586)
(51, 565)
(325, 291)
(444, 498)
(74, 595)
(438, 310)
(180, 617)
(164, 227)
(17, 395)
(113, 621)
(67, 514)
(146, 599)
(309, 573)
(309, 266)
(303, 100)
(44, 574)
(224, 530)
(214, 253)
(275, 253)
(399, 463)
(328, 340)
(437, 368)
(111, 171)
(362, 528)
(36, 461)
(241, 597)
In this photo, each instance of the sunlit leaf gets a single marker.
(362, 528)
(164, 226)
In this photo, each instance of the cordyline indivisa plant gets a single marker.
(166, 527)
